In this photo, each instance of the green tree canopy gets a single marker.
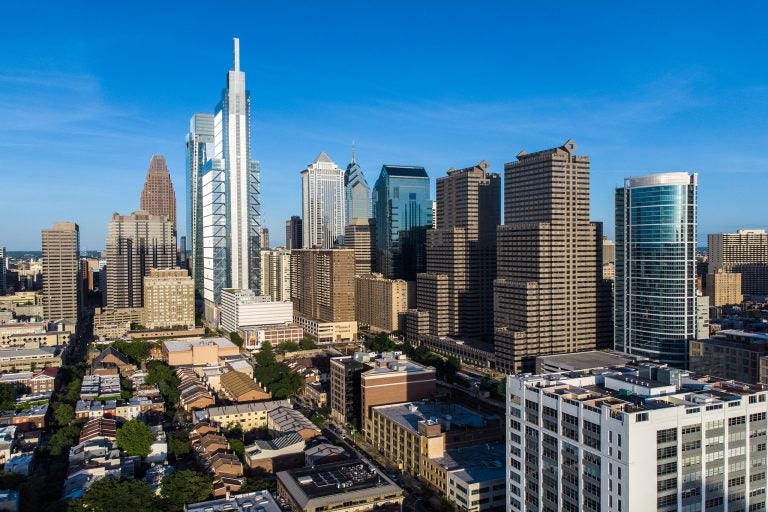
(63, 413)
(381, 343)
(135, 438)
(235, 338)
(110, 495)
(288, 346)
(178, 443)
(161, 374)
(266, 356)
(307, 344)
(7, 396)
(185, 487)
(136, 350)
(63, 439)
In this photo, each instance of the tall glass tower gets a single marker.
(403, 212)
(357, 194)
(655, 290)
(199, 149)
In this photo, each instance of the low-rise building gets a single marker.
(20, 334)
(115, 323)
(286, 420)
(326, 332)
(198, 352)
(9, 500)
(249, 416)
(111, 361)
(241, 308)
(729, 354)
(19, 463)
(7, 442)
(258, 501)
(39, 382)
(238, 387)
(29, 359)
(355, 487)
(25, 420)
(474, 353)
(254, 336)
(278, 454)
(124, 410)
(325, 453)
(100, 387)
(193, 393)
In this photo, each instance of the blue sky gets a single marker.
(88, 94)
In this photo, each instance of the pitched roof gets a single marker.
(323, 157)
(113, 352)
(237, 384)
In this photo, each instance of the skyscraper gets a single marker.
(276, 273)
(62, 282)
(548, 297)
(655, 290)
(135, 244)
(323, 208)
(199, 149)
(158, 196)
(232, 145)
(463, 249)
(402, 210)
(229, 194)
(359, 236)
(357, 194)
(3, 284)
(293, 233)
(264, 238)
(744, 252)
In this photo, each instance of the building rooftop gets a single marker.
(246, 408)
(641, 386)
(477, 463)
(582, 360)
(449, 415)
(336, 483)
(187, 344)
(287, 419)
(288, 443)
(259, 501)
(405, 171)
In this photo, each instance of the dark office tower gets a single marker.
(402, 211)
(463, 250)
(293, 233)
(547, 293)
(135, 244)
(199, 150)
(62, 279)
(158, 197)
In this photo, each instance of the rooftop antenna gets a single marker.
(237, 53)
(353, 152)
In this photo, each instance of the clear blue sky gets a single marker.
(88, 94)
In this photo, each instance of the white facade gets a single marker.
(323, 208)
(276, 273)
(214, 246)
(241, 308)
(641, 437)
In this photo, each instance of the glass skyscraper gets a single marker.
(402, 209)
(357, 194)
(655, 289)
(199, 149)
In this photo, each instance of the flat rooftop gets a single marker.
(408, 415)
(477, 463)
(259, 501)
(583, 360)
(184, 345)
(336, 483)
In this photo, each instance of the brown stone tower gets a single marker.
(158, 197)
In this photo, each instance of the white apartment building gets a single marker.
(639, 437)
(240, 308)
(276, 273)
(323, 206)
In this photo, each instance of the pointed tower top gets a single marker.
(322, 157)
(237, 53)
(353, 152)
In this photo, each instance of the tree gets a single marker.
(63, 413)
(63, 439)
(137, 350)
(185, 487)
(266, 356)
(161, 374)
(253, 485)
(135, 438)
(7, 396)
(235, 338)
(288, 346)
(381, 343)
(237, 446)
(308, 344)
(178, 444)
(110, 495)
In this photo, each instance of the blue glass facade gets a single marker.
(655, 302)
(402, 209)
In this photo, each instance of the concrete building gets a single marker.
(29, 359)
(393, 379)
(135, 244)
(380, 303)
(169, 299)
(724, 288)
(249, 416)
(402, 207)
(257, 501)
(240, 308)
(114, 323)
(643, 437)
(294, 233)
(279, 454)
(276, 273)
(359, 235)
(199, 149)
(744, 252)
(548, 297)
(323, 206)
(323, 293)
(62, 282)
(19, 335)
(264, 239)
(198, 352)
(158, 197)
(359, 487)
(254, 336)
(609, 259)
(655, 290)
(463, 249)
(344, 396)
(730, 354)
(577, 361)
(287, 420)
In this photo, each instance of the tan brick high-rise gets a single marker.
(548, 297)
(724, 288)
(381, 302)
(745, 252)
(158, 196)
(169, 299)
(457, 290)
(323, 284)
(62, 282)
(359, 236)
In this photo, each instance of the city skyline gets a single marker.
(101, 104)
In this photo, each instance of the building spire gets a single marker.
(353, 152)
(237, 53)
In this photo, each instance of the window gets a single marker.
(737, 420)
(666, 436)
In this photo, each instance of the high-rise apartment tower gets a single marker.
(323, 205)
(62, 281)
(744, 252)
